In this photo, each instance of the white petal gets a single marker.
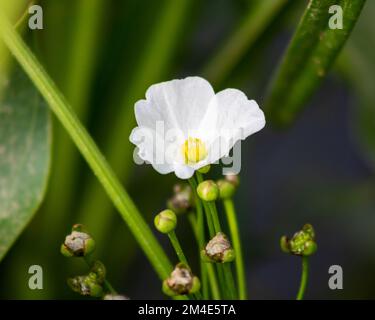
(180, 103)
(237, 112)
(183, 171)
(145, 140)
(237, 118)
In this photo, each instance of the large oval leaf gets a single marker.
(25, 138)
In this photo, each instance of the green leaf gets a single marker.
(358, 65)
(25, 139)
(312, 51)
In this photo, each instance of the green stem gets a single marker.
(215, 217)
(177, 247)
(210, 223)
(224, 271)
(235, 237)
(207, 269)
(87, 147)
(304, 278)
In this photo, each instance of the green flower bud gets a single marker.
(111, 296)
(218, 249)
(196, 285)
(205, 169)
(284, 244)
(226, 189)
(182, 200)
(302, 243)
(181, 282)
(86, 285)
(208, 190)
(233, 179)
(99, 270)
(165, 221)
(310, 248)
(77, 244)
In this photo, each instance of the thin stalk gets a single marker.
(210, 223)
(177, 247)
(304, 278)
(236, 241)
(205, 267)
(215, 218)
(87, 147)
(227, 271)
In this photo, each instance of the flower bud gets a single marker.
(218, 249)
(205, 169)
(77, 244)
(181, 282)
(226, 189)
(302, 243)
(111, 296)
(165, 221)
(98, 268)
(233, 179)
(208, 190)
(86, 285)
(182, 200)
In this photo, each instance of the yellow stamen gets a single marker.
(194, 150)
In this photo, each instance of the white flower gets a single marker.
(183, 125)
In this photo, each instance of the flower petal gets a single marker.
(145, 140)
(183, 171)
(237, 118)
(180, 103)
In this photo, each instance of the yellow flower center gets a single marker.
(194, 150)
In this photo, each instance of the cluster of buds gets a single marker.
(80, 244)
(90, 284)
(182, 200)
(209, 190)
(181, 282)
(218, 249)
(77, 244)
(302, 243)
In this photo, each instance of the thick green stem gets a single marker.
(304, 278)
(236, 242)
(87, 147)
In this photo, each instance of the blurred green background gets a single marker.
(103, 54)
